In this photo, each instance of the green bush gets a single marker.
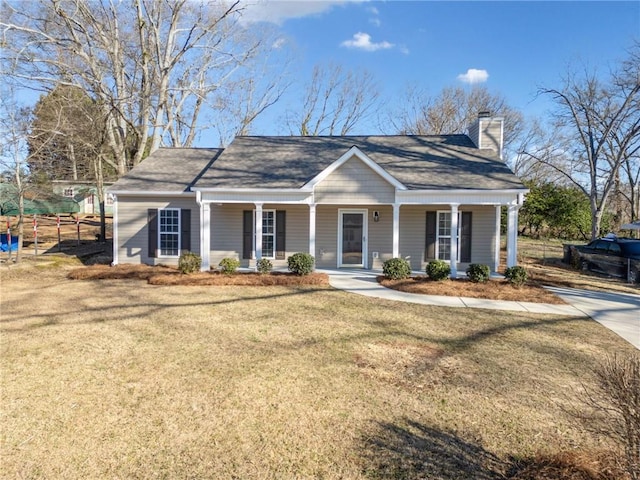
(516, 275)
(396, 269)
(478, 273)
(300, 263)
(229, 265)
(189, 262)
(264, 265)
(438, 270)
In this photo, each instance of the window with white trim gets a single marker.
(268, 234)
(68, 192)
(443, 235)
(169, 232)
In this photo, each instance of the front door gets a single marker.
(353, 239)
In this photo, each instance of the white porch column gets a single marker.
(396, 230)
(312, 229)
(258, 229)
(496, 253)
(205, 236)
(454, 240)
(512, 235)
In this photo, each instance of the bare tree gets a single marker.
(151, 66)
(596, 126)
(335, 102)
(15, 154)
(250, 95)
(452, 111)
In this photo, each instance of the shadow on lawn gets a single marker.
(410, 450)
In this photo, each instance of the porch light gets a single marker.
(376, 216)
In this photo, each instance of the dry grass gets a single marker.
(568, 466)
(543, 261)
(493, 289)
(122, 379)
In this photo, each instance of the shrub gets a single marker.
(300, 263)
(189, 262)
(264, 265)
(613, 406)
(438, 270)
(229, 265)
(478, 273)
(396, 269)
(516, 275)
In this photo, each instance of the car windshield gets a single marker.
(632, 248)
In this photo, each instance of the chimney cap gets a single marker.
(484, 113)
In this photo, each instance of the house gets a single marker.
(85, 194)
(350, 201)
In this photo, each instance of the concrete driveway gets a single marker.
(619, 312)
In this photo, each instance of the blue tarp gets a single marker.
(4, 246)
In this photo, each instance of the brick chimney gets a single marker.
(487, 132)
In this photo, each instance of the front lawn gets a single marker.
(121, 379)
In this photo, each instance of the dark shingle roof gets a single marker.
(168, 170)
(419, 162)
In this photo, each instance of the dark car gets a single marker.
(618, 257)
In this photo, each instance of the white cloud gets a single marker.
(362, 41)
(375, 18)
(474, 75)
(274, 11)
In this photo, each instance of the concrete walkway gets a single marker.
(618, 312)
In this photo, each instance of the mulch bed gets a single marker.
(158, 275)
(492, 290)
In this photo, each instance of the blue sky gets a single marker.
(514, 47)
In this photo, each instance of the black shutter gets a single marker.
(280, 234)
(430, 252)
(152, 228)
(247, 233)
(465, 237)
(185, 230)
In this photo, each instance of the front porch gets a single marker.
(355, 236)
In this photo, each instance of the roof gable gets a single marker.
(348, 155)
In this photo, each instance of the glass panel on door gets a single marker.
(352, 228)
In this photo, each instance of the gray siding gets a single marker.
(133, 232)
(327, 236)
(226, 231)
(413, 234)
(354, 183)
(379, 235)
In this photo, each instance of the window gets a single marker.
(443, 243)
(169, 232)
(268, 234)
(109, 200)
(438, 236)
(444, 236)
(68, 192)
(89, 199)
(273, 234)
